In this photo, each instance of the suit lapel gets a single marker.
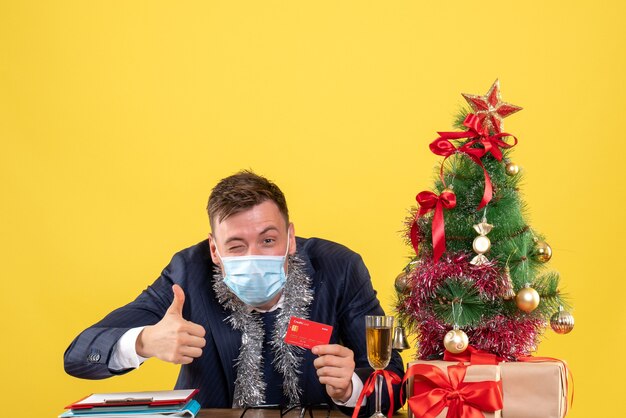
(227, 340)
(302, 254)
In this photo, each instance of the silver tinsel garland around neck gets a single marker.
(249, 384)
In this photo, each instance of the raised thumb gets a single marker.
(179, 300)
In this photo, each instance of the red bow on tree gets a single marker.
(490, 144)
(429, 201)
(433, 391)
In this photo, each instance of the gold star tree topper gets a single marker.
(490, 108)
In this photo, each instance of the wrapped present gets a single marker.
(534, 389)
(538, 381)
(531, 388)
(453, 389)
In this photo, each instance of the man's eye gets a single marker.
(269, 241)
(235, 249)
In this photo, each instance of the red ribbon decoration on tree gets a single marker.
(433, 390)
(491, 144)
(370, 385)
(413, 235)
(429, 201)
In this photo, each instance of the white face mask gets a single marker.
(255, 279)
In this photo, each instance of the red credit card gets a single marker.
(307, 334)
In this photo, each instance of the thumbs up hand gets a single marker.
(173, 338)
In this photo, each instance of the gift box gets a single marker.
(480, 385)
(534, 389)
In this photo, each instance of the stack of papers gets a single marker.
(166, 403)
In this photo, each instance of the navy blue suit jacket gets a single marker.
(343, 295)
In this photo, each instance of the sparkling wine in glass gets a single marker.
(378, 331)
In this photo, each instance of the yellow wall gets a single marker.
(117, 118)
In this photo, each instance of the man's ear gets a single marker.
(292, 239)
(213, 248)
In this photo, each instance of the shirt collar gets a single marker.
(279, 305)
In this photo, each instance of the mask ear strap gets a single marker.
(216, 250)
(288, 242)
(287, 254)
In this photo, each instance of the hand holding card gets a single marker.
(307, 334)
(335, 364)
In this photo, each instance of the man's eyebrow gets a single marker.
(268, 229)
(264, 231)
(231, 239)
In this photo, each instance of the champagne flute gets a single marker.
(378, 336)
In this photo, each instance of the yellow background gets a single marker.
(117, 118)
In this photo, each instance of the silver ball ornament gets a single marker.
(562, 321)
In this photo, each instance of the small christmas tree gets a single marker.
(478, 274)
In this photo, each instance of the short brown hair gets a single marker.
(240, 192)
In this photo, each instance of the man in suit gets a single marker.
(221, 309)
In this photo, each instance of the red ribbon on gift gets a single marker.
(433, 391)
(429, 201)
(490, 144)
(476, 356)
(370, 385)
(473, 355)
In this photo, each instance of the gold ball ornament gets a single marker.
(511, 169)
(455, 341)
(542, 251)
(401, 284)
(527, 299)
(562, 321)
